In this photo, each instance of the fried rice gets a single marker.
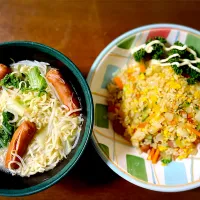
(158, 110)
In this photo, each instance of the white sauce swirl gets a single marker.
(149, 48)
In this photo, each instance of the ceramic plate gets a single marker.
(118, 154)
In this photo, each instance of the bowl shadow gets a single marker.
(90, 170)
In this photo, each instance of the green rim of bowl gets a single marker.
(88, 126)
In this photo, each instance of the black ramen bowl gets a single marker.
(20, 50)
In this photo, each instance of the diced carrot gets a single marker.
(131, 77)
(142, 125)
(118, 82)
(138, 95)
(182, 112)
(142, 67)
(173, 122)
(189, 118)
(151, 153)
(155, 156)
(192, 130)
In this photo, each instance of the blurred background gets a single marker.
(81, 29)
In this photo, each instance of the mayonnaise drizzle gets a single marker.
(149, 48)
(172, 56)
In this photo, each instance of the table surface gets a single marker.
(81, 29)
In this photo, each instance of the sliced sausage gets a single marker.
(118, 127)
(63, 90)
(145, 148)
(4, 70)
(19, 143)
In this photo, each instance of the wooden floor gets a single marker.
(81, 29)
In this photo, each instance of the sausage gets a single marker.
(19, 143)
(63, 90)
(118, 127)
(145, 148)
(4, 70)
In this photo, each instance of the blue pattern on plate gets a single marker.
(175, 174)
(177, 36)
(109, 71)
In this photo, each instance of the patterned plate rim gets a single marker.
(115, 168)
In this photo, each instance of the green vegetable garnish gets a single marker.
(177, 70)
(190, 72)
(139, 55)
(158, 50)
(198, 127)
(145, 114)
(185, 104)
(36, 81)
(166, 161)
(149, 137)
(161, 39)
(174, 51)
(10, 80)
(193, 76)
(7, 129)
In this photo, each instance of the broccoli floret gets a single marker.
(191, 47)
(198, 65)
(177, 70)
(10, 80)
(191, 81)
(139, 55)
(194, 76)
(161, 39)
(192, 73)
(183, 53)
(177, 43)
(190, 56)
(174, 59)
(180, 52)
(158, 50)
